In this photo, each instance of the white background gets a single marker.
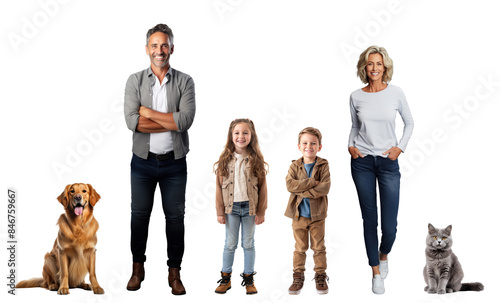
(286, 65)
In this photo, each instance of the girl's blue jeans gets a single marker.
(239, 217)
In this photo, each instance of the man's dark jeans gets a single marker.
(171, 175)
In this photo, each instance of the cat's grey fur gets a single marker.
(442, 272)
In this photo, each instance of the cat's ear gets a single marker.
(431, 229)
(448, 229)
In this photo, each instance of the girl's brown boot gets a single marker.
(225, 283)
(248, 283)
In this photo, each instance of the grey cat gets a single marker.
(442, 272)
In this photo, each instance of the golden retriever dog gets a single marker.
(73, 254)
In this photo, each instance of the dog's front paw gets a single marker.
(441, 292)
(63, 291)
(431, 291)
(53, 286)
(98, 290)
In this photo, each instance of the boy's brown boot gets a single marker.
(225, 283)
(248, 283)
(298, 283)
(321, 283)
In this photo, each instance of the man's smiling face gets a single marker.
(159, 49)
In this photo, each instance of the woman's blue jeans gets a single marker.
(366, 172)
(239, 217)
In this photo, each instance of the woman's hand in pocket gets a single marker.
(355, 153)
(393, 153)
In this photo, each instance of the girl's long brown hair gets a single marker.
(257, 163)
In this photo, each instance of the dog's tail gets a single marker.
(472, 287)
(35, 282)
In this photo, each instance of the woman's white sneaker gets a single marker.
(384, 268)
(378, 285)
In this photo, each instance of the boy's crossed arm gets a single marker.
(294, 185)
(321, 188)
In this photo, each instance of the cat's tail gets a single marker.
(35, 282)
(472, 287)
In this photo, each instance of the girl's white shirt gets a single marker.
(240, 184)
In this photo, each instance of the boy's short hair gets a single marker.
(312, 131)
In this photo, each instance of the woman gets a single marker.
(374, 149)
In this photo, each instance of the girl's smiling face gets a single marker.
(241, 137)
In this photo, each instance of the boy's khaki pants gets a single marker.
(302, 230)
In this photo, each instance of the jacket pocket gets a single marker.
(253, 189)
(225, 192)
(320, 207)
(254, 195)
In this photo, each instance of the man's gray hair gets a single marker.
(161, 28)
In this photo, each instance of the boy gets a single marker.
(308, 182)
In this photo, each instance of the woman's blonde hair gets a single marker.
(363, 61)
(257, 163)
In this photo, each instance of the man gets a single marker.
(159, 109)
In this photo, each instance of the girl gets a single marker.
(240, 198)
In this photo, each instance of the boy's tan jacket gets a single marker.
(256, 189)
(300, 186)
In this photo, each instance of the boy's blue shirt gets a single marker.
(305, 205)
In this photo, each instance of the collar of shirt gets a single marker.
(240, 157)
(153, 77)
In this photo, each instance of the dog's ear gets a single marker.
(63, 197)
(94, 196)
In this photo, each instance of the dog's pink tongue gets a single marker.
(78, 210)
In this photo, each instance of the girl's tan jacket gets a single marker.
(256, 189)
(300, 186)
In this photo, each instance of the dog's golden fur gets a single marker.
(73, 254)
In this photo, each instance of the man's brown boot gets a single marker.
(298, 283)
(225, 283)
(137, 276)
(174, 281)
(321, 283)
(248, 283)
